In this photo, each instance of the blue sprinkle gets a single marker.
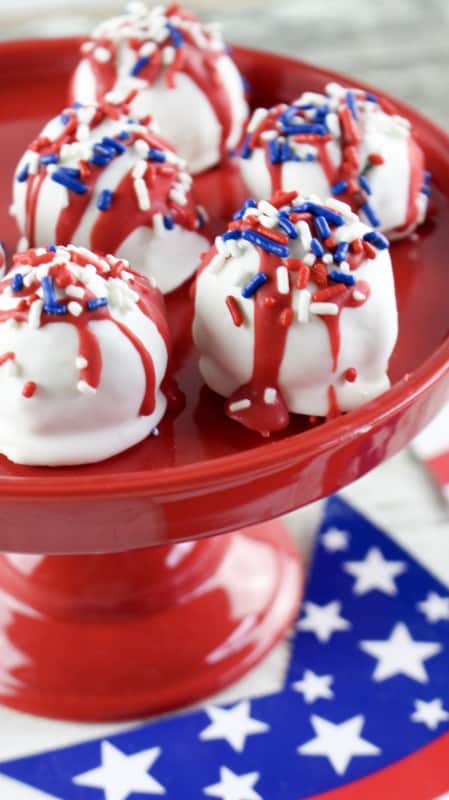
(102, 150)
(250, 203)
(246, 84)
(309, 157)
(254, 284)
(341, 251)
(426, 190)
(139, 65)
(168, 222)
(70, 183)
(427, 176)
(113, 144)
(305, 127)
(55, 308)
(23, 174)
(49, 292)
(105, 200)
(231, 235)
(287, 226)
(52, 248)
(364, 184)
(77, 105)
(123, 135)
(265, 243)
(97, 302)
(331, 216)
(351, 103)
(156, 155)
(274, 151)
(72, 172)
(246, 151)
(17, 282)
(99, 160)
(176, 36)
(316, 248)
(342, 277)
(370, 215)
(377, 239)
(65, 118)
(371, 97)
(322, 227)
(201, 218)
(321, 113)
(50, 158)
(289, 113)
(339, 187)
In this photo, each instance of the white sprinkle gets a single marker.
(158, 224)
(359, 296)
(82, 133)
(233, 248)
(147, 49)
(344, 267)
(85, 388)
(86, 114)
(75, 291)
(102, 55)
(33, 163)
(268, 222)
(304, 234)
(269, 396)
(239, 405)
(81, 362)
(178, 195)
(267, 135)
(142, 194)
(327, 258)
(140, 169)
(87, 47)
(141, 148)
(34, 316)
(168, 54)
(324, 309)
(309, 259)
(303, 305)
(217, 262)
(282, 280)
(74, 308)
(267, 208)
(256, 119)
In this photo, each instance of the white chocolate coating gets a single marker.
(367, 332)
(184, 112)
(398, 185)
(168, 256)
(65, 420)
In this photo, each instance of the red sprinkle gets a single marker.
(319, 275)
(357, 246)
(7, 357)
(234, 310)
(29, 389)
(351, 375)
(370, 251)
(281, 198)
(286, 317)
(376, 159)
(303, 277)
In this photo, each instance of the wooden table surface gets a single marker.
(402, 47)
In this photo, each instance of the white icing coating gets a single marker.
(168, 256)
(66, 420)
(368, 332)
(183, 111)
(382, 133)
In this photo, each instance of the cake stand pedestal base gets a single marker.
(116, 636)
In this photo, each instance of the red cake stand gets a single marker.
(113, 601)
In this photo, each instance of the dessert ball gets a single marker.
(184, 74)
(83, 352)
(346, 143)
(96, 178)
(295, 311)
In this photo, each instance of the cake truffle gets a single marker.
(295, 311)
(83, 352)
(347, 143)
(97, 178)
(184, 74)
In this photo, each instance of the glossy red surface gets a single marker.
(206, 474)
(120, 634)
(124, 635)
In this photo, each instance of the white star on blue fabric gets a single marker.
(338, 742)
(335, 540)
(314, 687)
(401, 655)
(435, 607)
(375, 572)
(323, 620)
(120, 775)
(234, 787)
(431, 713)
(233, 724)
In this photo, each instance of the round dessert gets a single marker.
(295, 311)
(83, 352)
(347, 143)
(185, 77)
(97, 178)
